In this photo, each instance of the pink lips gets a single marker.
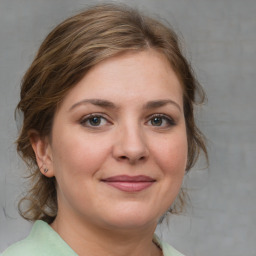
(129, 183)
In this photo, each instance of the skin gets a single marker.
(132, 136)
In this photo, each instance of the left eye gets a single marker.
(161, 121)
(94, 121)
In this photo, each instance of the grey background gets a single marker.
(220, 39)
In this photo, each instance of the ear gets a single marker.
(43, 153)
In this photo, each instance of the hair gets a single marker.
(65, 56)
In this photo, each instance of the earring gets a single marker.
(45, 170)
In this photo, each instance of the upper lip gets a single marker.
(128, 178)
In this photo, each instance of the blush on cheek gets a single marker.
(87, 160)
(175, 159)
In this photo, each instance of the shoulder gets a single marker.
(42, 241)
(167, 249)
(23, 247)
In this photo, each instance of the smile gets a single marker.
(129, 183)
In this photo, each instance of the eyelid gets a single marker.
(168, 118)
(85, 118)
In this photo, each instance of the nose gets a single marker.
(130, 145)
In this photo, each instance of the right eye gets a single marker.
(94, 120)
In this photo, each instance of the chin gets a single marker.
(128, 220)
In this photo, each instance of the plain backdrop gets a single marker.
(219, 38)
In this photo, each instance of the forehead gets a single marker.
(132, 76)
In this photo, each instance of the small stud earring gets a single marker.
(45, 170)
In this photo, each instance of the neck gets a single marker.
(89, 239)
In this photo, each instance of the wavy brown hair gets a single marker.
(65, 56)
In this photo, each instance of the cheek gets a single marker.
(171, 155)
(78, 155)
(70, 160)
(76, 165)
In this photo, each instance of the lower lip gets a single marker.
(130, 186)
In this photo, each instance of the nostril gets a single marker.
(141, 158)
(131, 159)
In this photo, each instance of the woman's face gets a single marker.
(119, 147)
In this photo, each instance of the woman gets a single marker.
(108, 134)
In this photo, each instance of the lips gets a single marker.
(129, 183)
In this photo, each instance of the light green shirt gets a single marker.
(44, 241)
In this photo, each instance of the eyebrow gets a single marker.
(96, 102)
(108, 104)
(161, 103)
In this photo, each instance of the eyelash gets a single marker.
(90, 117)
(169, 121)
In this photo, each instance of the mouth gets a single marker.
(129, 183)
